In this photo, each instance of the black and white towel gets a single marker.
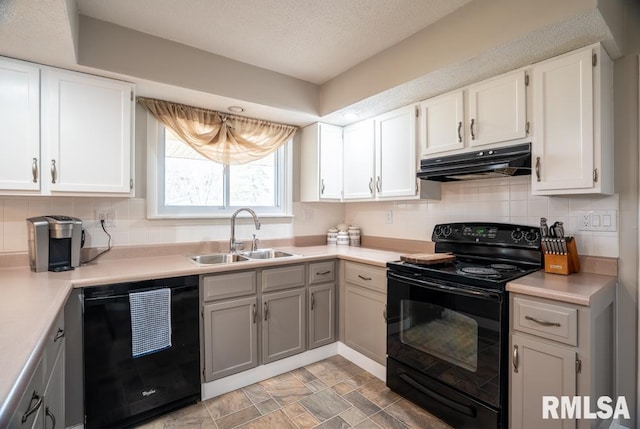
(150, 321)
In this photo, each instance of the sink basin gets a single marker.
(218, 258)
(267, 254)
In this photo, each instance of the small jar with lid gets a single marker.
(343, 238)
(354, 236)
(332, 236)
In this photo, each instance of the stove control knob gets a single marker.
(446, 231)
(531, 236)
(437, 231)
(517, 235)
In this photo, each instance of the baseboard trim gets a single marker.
(263, 372)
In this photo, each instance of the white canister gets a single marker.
(343, 238)
(332, 236)
(354, 236)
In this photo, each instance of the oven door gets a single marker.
(444, 342)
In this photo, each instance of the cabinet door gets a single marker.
(54, 401)
(359, 160)
(330, 162)
(20, 125)
(497, 109)
(283, 324)
(230, 337)
(543, 369)
(365, 326)
(321, 315)
(87, 127)
(396, 153)
(562, 149)
(442, 123)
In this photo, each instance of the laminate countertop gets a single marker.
(31, 301)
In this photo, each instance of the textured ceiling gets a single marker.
(313, 40)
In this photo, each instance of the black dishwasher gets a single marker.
(125, 385)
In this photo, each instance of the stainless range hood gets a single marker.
(481, 164)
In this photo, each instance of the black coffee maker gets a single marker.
(54, 243)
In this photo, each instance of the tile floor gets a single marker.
(332, 393)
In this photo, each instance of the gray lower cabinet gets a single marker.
(283, 324)
(365, 325)
(321, 315)
(231, 337)
(54, 412)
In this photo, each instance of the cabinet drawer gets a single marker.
(321, 272)
(283, 277)
(55, 340)
(229, 285)
(546, 320)
(28, 402)
(366, 275)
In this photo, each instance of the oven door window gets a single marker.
(452, 336)
(446, 334)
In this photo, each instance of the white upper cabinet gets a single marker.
(572, 149)
(20, 125)
(359, 160)
(497, 109)
(396, 163)
(87, 130)
(442, 123)
(321, 163)
(64, 132)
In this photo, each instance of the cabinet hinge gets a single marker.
(594, 59)
(578, 366)
(526, 80)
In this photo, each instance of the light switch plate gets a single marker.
(599, 220)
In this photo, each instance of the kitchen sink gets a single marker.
(218, 258)
(267, 254)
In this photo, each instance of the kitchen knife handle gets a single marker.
(460, 132)
(473, 136)
(515, 358)
(54, 171)
(34, 170)
(538, 168)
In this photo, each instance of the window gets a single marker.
(182, 183)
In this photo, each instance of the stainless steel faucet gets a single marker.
(233, 244)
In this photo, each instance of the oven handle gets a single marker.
(461, 408)
(444, 288)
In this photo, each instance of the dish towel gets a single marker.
(150, 321)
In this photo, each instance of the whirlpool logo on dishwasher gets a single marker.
(580, 407)
(147, 393)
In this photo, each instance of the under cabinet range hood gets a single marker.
(480, 164)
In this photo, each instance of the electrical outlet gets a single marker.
(307, 215)
(599, 220)
(108, 215)
(389, 216)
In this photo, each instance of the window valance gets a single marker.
(220, 137)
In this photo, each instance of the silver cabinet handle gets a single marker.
(54, 171)
(538, 168)
(255, 314)
(460, 132)
(49, 414)
(313, 301)
(266, 311)
(595, 175)
(542, 322)
(371, 185)
(34, 170)
(378, 184)
(33, 407)
(322, 187)
(364, 278)
(515, 358)
(473, 136)
(384, 313)
(59, 334)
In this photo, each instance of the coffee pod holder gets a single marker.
(560, 255)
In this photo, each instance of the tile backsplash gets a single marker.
(506, 200)
(496, 200)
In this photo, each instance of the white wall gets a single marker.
(497, 200)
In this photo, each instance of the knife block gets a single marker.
(562, 263)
